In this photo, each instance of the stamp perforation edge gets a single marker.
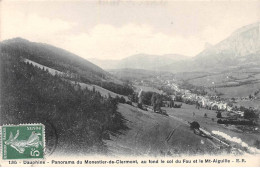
(23, 124)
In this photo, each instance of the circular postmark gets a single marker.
(51, 135)
(51, 138)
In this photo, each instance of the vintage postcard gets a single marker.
(129, 83)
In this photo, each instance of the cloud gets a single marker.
(103, 41)
(110, 42)
(32, 26)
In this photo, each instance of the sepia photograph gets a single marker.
(129, 83)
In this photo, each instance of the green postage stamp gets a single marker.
(25, 141)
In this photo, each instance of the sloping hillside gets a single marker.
(243, 42)
(132, 74)
(77, 120)
(240, 48)
(152, 134)
(105, 64)
(63, 61)
(53, 57)
(149, 62)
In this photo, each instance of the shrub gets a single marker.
(219, 115)
(249, 113)
(129, 103)
(220, 121)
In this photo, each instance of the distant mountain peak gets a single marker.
(242, 46)
(246, 28)
(149, 62)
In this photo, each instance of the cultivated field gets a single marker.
(239, 91)
(249, 103)
(231, 84)
(185, 113)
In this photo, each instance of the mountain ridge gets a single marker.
(52, 56)
(140, 61)
(242, 47)
(74, 67)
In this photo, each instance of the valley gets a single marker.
(142, 105)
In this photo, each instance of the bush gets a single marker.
(219, 115)
(129, 103)
(122, 99)
(194, 125)
(140, 106)
(220, 121)
(249, 113)
(177, 105)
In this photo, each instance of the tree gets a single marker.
(249, 113)
(194, 125)
(153, 99)
(219, 115)
(140, 106)
(158, 103)
(122, 99)
(117, 98)
(171, 104)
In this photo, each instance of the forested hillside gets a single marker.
(52, 57)
(82, 118)
(63, 61)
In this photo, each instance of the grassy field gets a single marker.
(103, 92)
(240, 83)
(51, 71)
(207, 81)
(239, 91)
(189, 75)
(230, 78)
(152, 134)
(249, 103)
(186, 113)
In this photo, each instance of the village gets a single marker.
(209, 116)
(225, 111)
(209, 102)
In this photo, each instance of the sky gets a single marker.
(118, 29)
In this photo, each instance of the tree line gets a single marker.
(83, 118)
(64, 61)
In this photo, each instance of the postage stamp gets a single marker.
(25, 141)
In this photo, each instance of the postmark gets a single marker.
(24, 141)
